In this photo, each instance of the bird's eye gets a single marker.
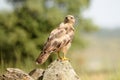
(71, 17)
(65, 17)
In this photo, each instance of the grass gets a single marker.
(76, 63)
(104, 52)
(110, 75)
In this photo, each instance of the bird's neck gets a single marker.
(70, 25)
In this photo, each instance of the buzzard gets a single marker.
(59, 40)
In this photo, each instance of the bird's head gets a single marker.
(69, 19)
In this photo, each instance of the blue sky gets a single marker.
(4, 5)
(104, 13)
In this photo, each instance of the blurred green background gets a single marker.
(24, 28)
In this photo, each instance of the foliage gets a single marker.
(24, 31)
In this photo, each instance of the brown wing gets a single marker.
(57, 39)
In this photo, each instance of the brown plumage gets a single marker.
(59, 40)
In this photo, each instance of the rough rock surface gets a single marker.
(37, 74)
(60, 70)
(57, 70)
(15, 74)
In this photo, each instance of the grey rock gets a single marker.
(15, 74)
(37, 74)
(57, 70)
(60, 70)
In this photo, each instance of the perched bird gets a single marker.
(59, 40)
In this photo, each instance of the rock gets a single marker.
(57, 70)
(36, 74)
(60, 70)
(15, 74)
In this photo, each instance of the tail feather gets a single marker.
(42, 58)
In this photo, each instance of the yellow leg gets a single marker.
(59, 57)
(64, 58)
(64, 50)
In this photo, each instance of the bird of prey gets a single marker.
(59, 40)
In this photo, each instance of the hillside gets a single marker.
(102, 53)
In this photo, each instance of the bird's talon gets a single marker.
(64, 59)
(59, 59)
